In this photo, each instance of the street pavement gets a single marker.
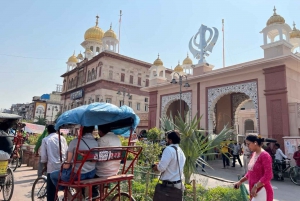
(283, 191)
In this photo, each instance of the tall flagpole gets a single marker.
(119, 31)
(223, 43)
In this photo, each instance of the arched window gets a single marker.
(93, 76)
(71, 83)
(97, 49)
(89, 76)
(100, 64)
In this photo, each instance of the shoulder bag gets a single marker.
(168, 193)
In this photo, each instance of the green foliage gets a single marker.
(154, 134)
(33, 139)
(150, 153)
(221, 194)
(194, 142)
(40, 121)
(69, 139)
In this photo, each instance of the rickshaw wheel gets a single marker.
(39, 189)
(14, 163)
(123, 197)
(8, 187)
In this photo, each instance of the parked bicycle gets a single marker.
(284, 166)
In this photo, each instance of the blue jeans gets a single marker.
(65, 176)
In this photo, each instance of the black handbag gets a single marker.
(168, 193)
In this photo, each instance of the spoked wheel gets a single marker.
(295, 175)
(39, 189)
(14, 162)
(123, 197)
(8, 187)
(20, 158)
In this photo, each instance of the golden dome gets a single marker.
(80, 56)
(110, 33)
(295, 32)
(178, 68)
(73, 58)
(94, 33)
(187, 61)
(158, 62)
(275, 19)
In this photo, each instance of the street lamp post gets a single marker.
(52, 108)
(186, 85)
(123, 91)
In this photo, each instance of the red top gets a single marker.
(297, 158)
(261, 172)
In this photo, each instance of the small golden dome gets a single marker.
(178, 68)
(295, 32)
(88, 50)
(73, 58)
(94, 33)
(187, 61)
(110, 33)
(158, 62)
(80, 56)
(275, 19)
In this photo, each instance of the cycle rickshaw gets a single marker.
(6, 174)
(121, 121)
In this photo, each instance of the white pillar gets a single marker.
(265, 39)
(280, 34)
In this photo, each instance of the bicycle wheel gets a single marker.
(39, 189)
(8, 187)
(123, 197)
(20, 157)
(295, 175)
(14, 163)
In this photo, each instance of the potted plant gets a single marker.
(32, 141)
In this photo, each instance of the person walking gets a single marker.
(172, 161)
(236, 151)
(50, 157)
(259, 172)
(246, 156)
(225, 154)
(37, 151)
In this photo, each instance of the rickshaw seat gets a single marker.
(102, 180)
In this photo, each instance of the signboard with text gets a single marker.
(76, 95)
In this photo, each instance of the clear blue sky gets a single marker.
(41, 35)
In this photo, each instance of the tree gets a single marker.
(40, 121)
(194, 142)
(154, 134)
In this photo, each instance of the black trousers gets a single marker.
(225, 159)
(51, 189)
(239, 160)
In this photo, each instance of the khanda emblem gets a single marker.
(204, 45)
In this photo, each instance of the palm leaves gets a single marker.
(194, 142)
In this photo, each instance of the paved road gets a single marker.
(283, 191)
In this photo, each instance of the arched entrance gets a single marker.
(214, 94)
(167, 100)
(174, 109)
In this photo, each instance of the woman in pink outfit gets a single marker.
(259, 171)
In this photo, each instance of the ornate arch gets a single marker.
(215, 93)
(168, 99)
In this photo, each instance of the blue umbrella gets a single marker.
(101, 114)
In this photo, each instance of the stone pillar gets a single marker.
(152, 114)
(276, 101)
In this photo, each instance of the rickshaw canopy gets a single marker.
(120, 119)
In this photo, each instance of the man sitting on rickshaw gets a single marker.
(88, 169)
(109, 168)
(6, 145)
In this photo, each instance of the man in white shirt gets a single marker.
(107, 168)
(169, 165)
(279, 154)
(50, 156)
(246, 156)
(236, 150)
